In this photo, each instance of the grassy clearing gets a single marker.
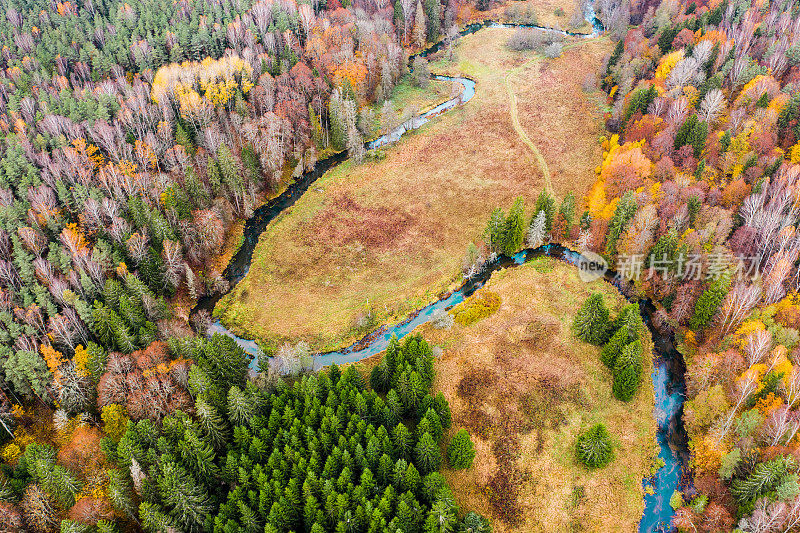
(407, 97)
(525, 388)
(550, 13)
(389, 235)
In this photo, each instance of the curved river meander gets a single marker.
(668, 367)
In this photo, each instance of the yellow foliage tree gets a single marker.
(706, 455)
(52, 357)
(81, 359)
(115, 421)
(596, 199)
(217, 80)
(666, 64)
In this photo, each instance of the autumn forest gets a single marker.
(415, 348)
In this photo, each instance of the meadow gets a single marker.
(524, 387)
(371, 243)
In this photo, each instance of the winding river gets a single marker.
(668, 366)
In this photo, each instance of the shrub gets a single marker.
(478, 306)
(553, 50)
(461, 452)
(533, 39)
(421, 73)
(442, 320)
(676, 500)
(529, 39)
(594, 448)
(591, 322)
(526, 39)
(628, 371)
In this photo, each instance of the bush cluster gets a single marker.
(480, 305)
(534, 39)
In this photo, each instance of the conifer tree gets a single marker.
(187, 500)
(591, 323)
(630, 316)
(182, 138)
(594, 448)
(338, 123)
(545, 202)
(427, 455)
(624, 212)
(442, 516)
(443, 410)
(402, 440)
(433, 423)
(474, 523)
(460, 451)
(495, 230)
(615, 345)
(628, 371)
(199, 457)
(433, 15)
(120, 492)
(514, 231)
(211, 423)
(420, 27)
(763, 479)
(154, 519)
(663, 252)
(567, 213)
(708, 304)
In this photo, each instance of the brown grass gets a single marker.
(391, 234)
(525, 387)
(545, 13)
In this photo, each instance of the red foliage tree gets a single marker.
(89, 510)
(83, 452)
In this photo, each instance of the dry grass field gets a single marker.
(561, 14)
(524, 387)
(389, 235)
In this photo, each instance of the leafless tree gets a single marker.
(713, 105)
(738, 303)
(758, 345)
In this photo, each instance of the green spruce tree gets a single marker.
(628, 372)
(460, 451)
(591, 323)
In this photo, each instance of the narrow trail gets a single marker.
(540, 160)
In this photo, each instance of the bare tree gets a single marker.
(713, 105)
(759, 343)
(537, 232)
(745, 386)
(738, 303)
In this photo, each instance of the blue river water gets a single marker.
(667, 376)
(668, 384)
(658, 511)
